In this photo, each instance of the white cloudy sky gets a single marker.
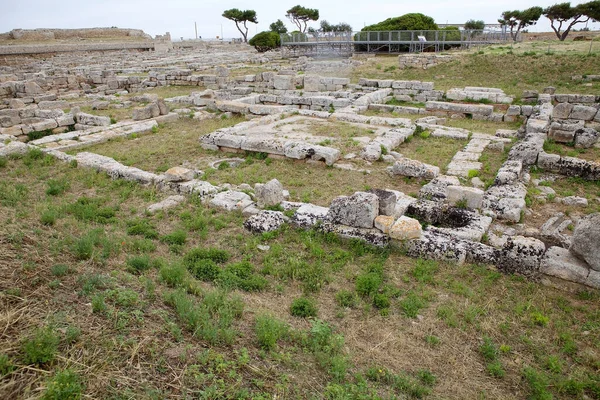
(178, 16)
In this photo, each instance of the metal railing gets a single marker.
(395, 41)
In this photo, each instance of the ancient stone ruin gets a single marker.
(454, 216)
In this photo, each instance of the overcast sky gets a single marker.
(178, 16)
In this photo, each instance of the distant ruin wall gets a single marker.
(86, 33)
(61, 48)
(422, 61)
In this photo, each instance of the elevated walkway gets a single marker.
(392, 42)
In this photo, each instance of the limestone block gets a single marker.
(269, 194)
(472, 196)
(406, 228)
(358, 210)
(231, 200)
(414, 168)
(562, 111)
(384, 223)
(169, 202)
(521, 255)
(585, 113)
(387, 201)
(179, 174)
(265, 221)
(586, 138)
(561, 263)
(309, 215)
(283, 82)
(586, 238)
(92, 120)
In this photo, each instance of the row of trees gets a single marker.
(563, 17)
(299, 15)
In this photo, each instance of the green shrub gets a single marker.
(412, 304)
(345, 298)
(381, 301)
(3, 162)
(265, 41)
(6, 365)
(48, 217)
(56, 187)
(59, 270)
(138, 264)
(64, 385)
(174, 275)
(269, 330)
(495, 369)
(211, 318)
(40, 348)
(141, 227)
(35, 135)
(539, 319)
(177, 237)
(406, 22)
(538, 384)
(488, 349)
(303, 307)
(217, 255)
(83, 248)
(241, 276)
(87, 209)
(473, 173)
(205, 270)
(367, 284)
(98, 304)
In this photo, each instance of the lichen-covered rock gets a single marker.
(425, 210)
(371, 152)
(551, 231)
(150, 111)
(563, 264)
(169, 202)
(586, 240)
(437, 246)
(358, 210)
(521, 255)
(505, 201)
(437, 189)
(13, 148)
(586, 138)
(472, 197)
(265, 221)
(269, 194)
(92, 120)
(231, 200)
(414, 168)
(309, 215)
(387, 201)
(371, 236)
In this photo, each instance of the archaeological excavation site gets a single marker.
(322, 220)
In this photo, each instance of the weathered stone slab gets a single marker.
(358, 210)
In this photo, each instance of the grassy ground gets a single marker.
(542, 210)
(309, 183)
(117, 114)
(101, 300)
(431, 150)
(483, 68)
(569, 150)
